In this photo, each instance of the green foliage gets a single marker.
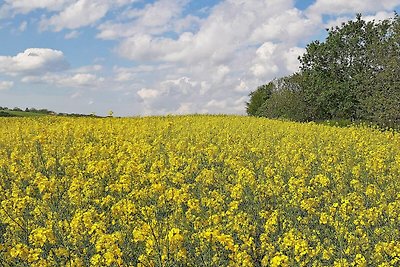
(257, 99)
(6, 114)
(33, 112)
(286, 101)
(18, 112)
(24, 113)
(353, 75)
(41, 111)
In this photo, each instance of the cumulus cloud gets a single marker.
(341, 7)
(382, 15)
(231, 26)
(25, 6)
(168, 96)
(265, 53)
(220, 59)
(291, 58)
(182, 61)
(33, 61)
(5, 85)
(228, 53)
(154, 18)
(146, 93)
(195, 94)
(88, 69)
(66, 14)
(22, 27)
(288, 25)
(79, 80)
(76, 15)
(72, 35)
(140, 72)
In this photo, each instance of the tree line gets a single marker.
(18, 112)
(33, 110)
(353, 75)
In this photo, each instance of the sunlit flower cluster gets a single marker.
(197, 191)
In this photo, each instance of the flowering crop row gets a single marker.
(197, 191)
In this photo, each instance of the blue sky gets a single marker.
(142, 57)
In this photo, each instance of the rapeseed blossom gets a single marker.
(197, 191)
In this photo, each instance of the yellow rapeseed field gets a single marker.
(197, 191)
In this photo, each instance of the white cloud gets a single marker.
(242, 86)
(145, 93)
(231, 26)
(76, 95)
(184, 108)
(340, 7)
(154, 18)
(216, 104)
(5, 85)
(123, 74)
(157, 14)
(78, 80)
(382, 15)
(181, 63)
(88, 69)
(291, 58)
(26, 6)
(188, 23)
(76, 15)
(265, 53)
(217, 62)
(288, 25)
(72, 35)
(22, 26)
(47, 66)
(33, 61)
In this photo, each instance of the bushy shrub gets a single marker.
(258, 98)
(285, 104)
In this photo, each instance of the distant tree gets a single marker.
(6, 114)
(257, 99)
(354, 73)
(286, 100)
(380, 99)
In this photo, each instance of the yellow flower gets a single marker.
(175, 238)
(109, 258)
(323, 218)
(197, 190)
(19, 251)
(360, 261)
(279, 260)
(40, 236)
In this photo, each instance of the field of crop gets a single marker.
(197, 191)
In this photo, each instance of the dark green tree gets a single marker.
(286, 100)
(257, 99)
(345, 76)
(353, 75)
(380, 95)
